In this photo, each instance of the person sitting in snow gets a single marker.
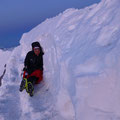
(33, 70)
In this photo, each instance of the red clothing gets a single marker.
(36, 73)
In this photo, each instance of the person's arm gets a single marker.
(42, 62)
(42, 53)
(26, 62)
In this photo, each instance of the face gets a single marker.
(37, 51)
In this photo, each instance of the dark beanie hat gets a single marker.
(35, 44)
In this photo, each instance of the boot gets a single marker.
(30, 89)
(22, 85)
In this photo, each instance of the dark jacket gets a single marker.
(33, 62)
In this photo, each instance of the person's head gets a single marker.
(36, 47)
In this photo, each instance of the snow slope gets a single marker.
(81, 68)
(4, 56)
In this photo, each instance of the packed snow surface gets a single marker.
(81, 68)
(4, 56)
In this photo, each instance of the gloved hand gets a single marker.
(25, 68)
(26, 74)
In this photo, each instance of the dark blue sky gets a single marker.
(20, 16)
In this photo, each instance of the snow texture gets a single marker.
(81, 68)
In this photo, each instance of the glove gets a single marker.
(26, 74)
(25, 68)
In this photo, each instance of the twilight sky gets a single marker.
(20, 16)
